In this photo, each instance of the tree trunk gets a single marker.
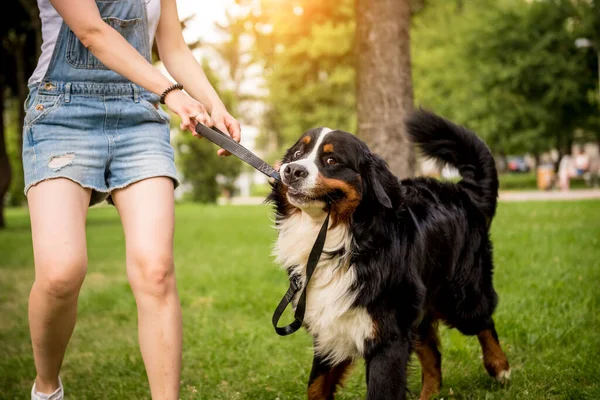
(32, 9)
(384, 85)
(17, 41)
(5, 172)
(19, 54)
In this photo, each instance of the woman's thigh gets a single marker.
(58, 210)
(147, 213)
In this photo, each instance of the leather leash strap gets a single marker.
(225, 142)
(313, 260)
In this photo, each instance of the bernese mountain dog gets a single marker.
(400, 255)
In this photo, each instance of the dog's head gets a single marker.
(333, 166)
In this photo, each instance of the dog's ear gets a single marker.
(377, 175)
(381, 195)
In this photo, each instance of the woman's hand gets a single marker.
(189, 110)
(226, 123)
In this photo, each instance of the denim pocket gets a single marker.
(80, 57)
(42, 105)
(27, 102)
(156, 111)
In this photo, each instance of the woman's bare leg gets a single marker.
(147, 212)
(58, 208)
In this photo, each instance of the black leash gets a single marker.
(313, 260)
(224, 141)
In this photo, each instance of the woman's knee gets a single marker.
(61, 277)
(152, 273)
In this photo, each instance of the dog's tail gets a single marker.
(451, 144)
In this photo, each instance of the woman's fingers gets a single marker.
(198, 114)
(233, 127)
(223, 128)
(204, 119)
(185, 121)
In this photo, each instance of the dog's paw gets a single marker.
(503, 376)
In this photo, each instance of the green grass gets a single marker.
(547, 276)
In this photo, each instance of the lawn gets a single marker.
(547, 275)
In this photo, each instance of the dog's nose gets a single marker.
(294, 173)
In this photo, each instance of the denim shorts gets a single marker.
(101, 136)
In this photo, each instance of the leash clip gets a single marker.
(295, 283)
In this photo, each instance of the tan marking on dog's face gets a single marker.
(306, 139)
(342, 209)
(328, 148)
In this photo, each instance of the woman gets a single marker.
(93, 128)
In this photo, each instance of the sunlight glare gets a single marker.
(298, 10)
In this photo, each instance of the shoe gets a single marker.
(58, 394)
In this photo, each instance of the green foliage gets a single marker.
(506, 68)
(207, 174)
(547, 273)
(200, 166)
(509, 70)
(20, 42)
(585, 18)
(305, 48)
(13, 136)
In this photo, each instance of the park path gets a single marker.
(516, 195)
(538, 195)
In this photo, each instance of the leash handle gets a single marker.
(223, 140)
(313, 260)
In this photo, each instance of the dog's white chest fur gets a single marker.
(339, 328)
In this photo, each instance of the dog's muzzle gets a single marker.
(294, 174)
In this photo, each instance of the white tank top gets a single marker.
(52, 21)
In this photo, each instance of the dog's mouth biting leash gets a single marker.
(224, 141)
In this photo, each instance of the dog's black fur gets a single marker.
(421, 253)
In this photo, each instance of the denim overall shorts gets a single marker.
(89, 124)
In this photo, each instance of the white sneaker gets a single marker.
(58, 394)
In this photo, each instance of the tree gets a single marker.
(19, 49)
(201, 168)
(309, 58)
(5, 170)
(585, 23)
(509, 70)
(305, 51)
(384, 83)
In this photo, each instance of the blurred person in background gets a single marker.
(582, 162)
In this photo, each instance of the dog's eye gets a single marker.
(331, 161)
(297, 154)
